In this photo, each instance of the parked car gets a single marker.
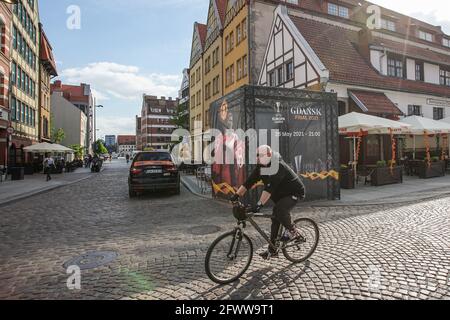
(153, 171)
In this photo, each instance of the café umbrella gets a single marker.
(47, 147)
(423, 126)
(355, 123)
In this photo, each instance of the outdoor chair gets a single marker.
(364, 173)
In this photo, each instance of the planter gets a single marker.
(437, 169)
(347, 179)
(29, 170)
(384, 175)
(17, 173)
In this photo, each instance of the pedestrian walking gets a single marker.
(49, 163)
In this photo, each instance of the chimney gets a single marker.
(364, 40)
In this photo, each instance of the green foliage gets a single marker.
(181, 117)
(381, 164)
(79, 150)
(58, 136)
(99, 147)
(435, 159)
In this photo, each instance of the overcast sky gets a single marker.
(125, 48)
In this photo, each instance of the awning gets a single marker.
(421, 125)
(374, 102)
(356, 122)
(47, 147)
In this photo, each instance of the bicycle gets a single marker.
(232, 253)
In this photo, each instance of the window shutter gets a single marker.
(410, 110)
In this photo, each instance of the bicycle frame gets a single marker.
(258, 229)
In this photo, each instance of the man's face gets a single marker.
(264, 157)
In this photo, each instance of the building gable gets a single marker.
(197, 45)
(287, 45)
(214, 24)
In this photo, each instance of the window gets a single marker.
(13, 72)
(231, 40)
(388, 25)
(395, 67)
(272, 79)
(419, 71)
(280, 76)
(425, 36)
(446, 42)
(414, 110)
(238, 34)
(244, 29)
(227, 44)
(438, 113)
(239, 69)
(444, 77)
(289, 70)
(13, 108)
(339, 11)
(245, 65)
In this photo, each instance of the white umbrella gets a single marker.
(354, 122)
(47, 147)
(421, 125)
(424, 126)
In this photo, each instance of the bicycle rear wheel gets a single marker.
(300, 250)
(229, 257)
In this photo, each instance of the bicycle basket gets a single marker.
(239, 213)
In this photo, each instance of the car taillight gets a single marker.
(135, 170)
(171, 168)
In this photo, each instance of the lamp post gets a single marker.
(95, 121)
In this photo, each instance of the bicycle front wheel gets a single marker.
(229, 257)
(303, 248)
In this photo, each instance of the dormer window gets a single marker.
(388, 25)
(425, 36)
(337, 10)
(446, 42)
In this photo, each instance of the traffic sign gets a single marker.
(10, 130)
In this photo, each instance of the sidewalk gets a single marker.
(412, 189)
(191, 183)
(11, 191)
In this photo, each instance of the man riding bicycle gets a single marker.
(284, 188)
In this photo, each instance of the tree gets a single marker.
(58, 136)
(181, 117)
(99, 147)
(79, 150)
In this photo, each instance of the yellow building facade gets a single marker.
(212, 58)
(235, 46)
(196, 78)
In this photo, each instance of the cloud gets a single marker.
(116, 126)
(116, 81)
(435, 12)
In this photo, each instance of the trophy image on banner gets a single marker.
(298, 164)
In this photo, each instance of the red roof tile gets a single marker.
(46, 54)
(222, 8)
(412, 51)
(337, 49)
(202, 32)
(375, 102)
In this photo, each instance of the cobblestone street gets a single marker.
(374, 252)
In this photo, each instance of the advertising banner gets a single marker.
(301, 125)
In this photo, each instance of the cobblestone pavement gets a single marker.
(375, 252)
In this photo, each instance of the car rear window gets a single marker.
(154, 156)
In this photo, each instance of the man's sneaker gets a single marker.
(266, 255)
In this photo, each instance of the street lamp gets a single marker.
(95, 121)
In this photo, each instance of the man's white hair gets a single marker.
(264, 149)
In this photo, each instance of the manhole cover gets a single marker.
(92, 260)
(204, 230)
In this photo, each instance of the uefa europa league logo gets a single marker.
(278, 118)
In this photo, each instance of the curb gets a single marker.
(41, 191)
(381, 202)
(187, 186)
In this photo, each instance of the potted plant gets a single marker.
(436, 168)
(347, 177)
(385, 174)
